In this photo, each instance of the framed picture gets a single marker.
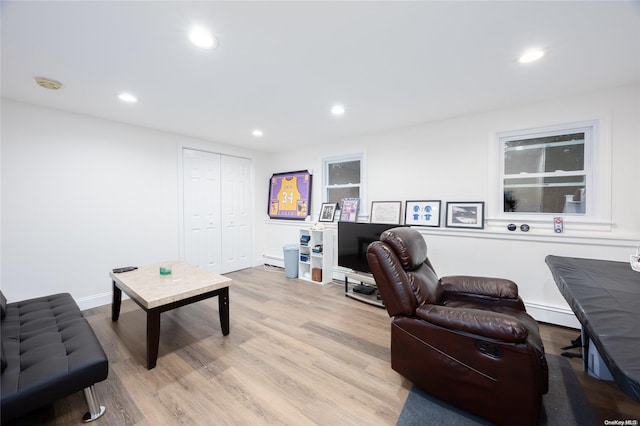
(386, 212)
(290, 195)
(327, 212)
(465, 214)
(422, 213)
(349, 212)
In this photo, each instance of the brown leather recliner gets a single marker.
(465, 340)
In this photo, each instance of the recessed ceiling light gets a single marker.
(531, 55)
(337, 110)
(128, 98)
(257, 133)
(201, 37)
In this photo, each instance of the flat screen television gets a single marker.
(353, 240)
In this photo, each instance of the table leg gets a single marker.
(223, 308)
(153, 337)
(115, 304)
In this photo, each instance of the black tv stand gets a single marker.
(366, 291)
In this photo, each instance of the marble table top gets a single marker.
(151, 289)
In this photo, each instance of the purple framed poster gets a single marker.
(290, 195)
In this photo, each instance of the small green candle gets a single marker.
(165, 270)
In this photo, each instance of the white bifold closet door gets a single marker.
(217, 226)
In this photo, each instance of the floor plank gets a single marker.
(298, 354)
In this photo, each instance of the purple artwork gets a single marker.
(290, 195)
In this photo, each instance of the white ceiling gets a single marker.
(280, 66)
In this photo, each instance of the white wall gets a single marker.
(449, 160)
(82, 195)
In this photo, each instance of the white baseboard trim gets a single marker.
(94, 301)
(273, 260)
(553, 315)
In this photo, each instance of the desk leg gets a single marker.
(115, 304)
(153, 337)
(223, 308)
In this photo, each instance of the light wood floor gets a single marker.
(298, 354)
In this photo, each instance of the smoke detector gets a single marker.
(48, 83)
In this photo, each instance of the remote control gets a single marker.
(124, 269)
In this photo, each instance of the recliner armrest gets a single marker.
(465, 285)
(493, 325)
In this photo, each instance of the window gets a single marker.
(546, 173)
(343, 178)
(563, 170)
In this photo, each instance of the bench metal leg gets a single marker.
(95, 409)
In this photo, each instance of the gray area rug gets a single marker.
(564, 404)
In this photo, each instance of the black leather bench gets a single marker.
(49, 351)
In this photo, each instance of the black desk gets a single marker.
(605, 297)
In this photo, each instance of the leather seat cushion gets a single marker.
(530, 324)
(50, 352)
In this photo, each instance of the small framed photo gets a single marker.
(349, 212)
(465, 214)
(327, 212)
(422, 213)
(386, 212)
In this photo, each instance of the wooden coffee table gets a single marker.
(156, 293)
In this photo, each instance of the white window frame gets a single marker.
(341, 159)
(597, 167)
